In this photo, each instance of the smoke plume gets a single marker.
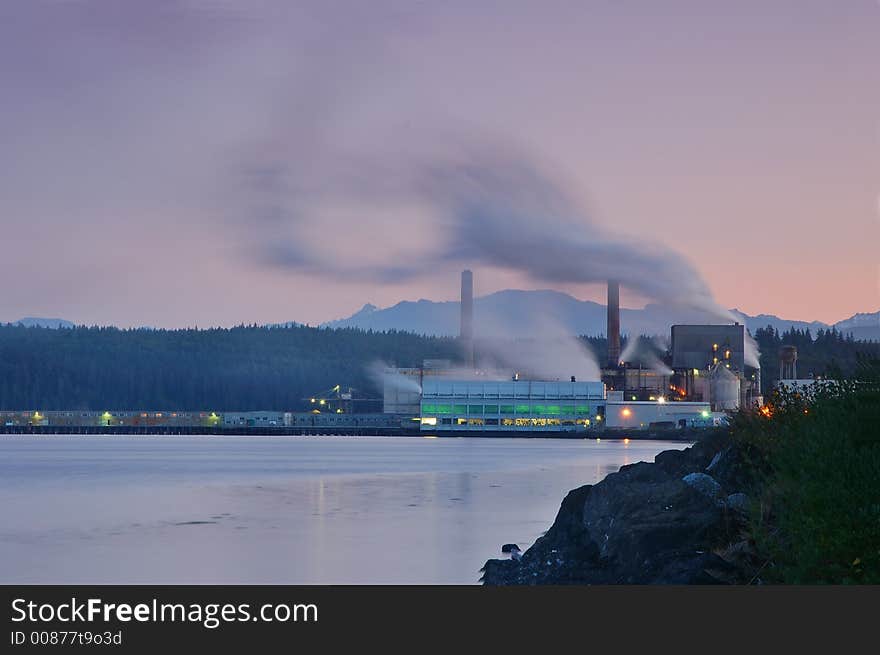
(383, 375)
(419, 194)
(485, 206)
(752, 355)
(641, 350)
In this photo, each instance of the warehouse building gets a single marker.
(658, 414)
(449, 405)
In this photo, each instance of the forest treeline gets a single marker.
(828, 353)
(273, 368)
(220, 369)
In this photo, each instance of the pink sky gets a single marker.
(743, 136)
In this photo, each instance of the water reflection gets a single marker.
(282, 511)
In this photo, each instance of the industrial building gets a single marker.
(152, 422)
(509, 406)
(658, 414)
(402, 387)
(702, 377)
(709, 365)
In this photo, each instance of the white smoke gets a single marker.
(661, 342)
(384, 376)
(547, 358)
(467, 199)
(752, 354)
(630, 349)
(640, 351)
(552, 354)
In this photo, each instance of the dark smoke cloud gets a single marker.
(337, 159)
(487, 205)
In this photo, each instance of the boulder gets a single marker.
(738, 502)
(645, 524)
(651, 527)
(705, 484)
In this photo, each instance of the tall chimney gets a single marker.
(613, 330)
(466, 333)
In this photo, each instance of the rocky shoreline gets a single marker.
(679, 520)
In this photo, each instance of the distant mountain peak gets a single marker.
(368, 308)
(864, 325)
(519, 312)
(51, 323)
(861, 319)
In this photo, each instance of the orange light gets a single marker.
(626, 412)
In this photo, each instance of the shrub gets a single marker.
(817, 519)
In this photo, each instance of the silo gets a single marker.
(724, 389)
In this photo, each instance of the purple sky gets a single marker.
(212, 162)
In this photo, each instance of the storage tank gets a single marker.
(788, 363)
(723, 389)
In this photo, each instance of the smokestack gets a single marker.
(466, 333)
(613, 329)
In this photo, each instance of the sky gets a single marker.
(214, 162)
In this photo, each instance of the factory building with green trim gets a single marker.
(449, 405)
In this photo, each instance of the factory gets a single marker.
(702, 376)
(509, 406)
(698, 381)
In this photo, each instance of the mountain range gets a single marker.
(526, 313)
(53, 323)
(517, 313)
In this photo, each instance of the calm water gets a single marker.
(296, 510)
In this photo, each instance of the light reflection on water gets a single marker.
(307, 510)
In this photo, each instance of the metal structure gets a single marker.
(788, 363)
(724, 388)
(337, 400)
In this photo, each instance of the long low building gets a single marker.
(203, 420)
(509, 406)
(653, 414)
